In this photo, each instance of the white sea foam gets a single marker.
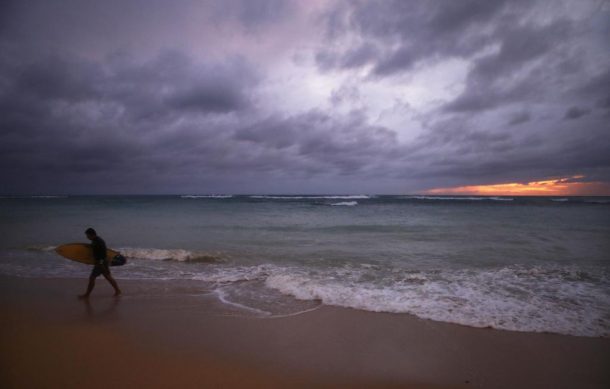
(180, 255)
(222, 296)
(172, 254)
(232, 274)
(512, 298)
(345, 203)
(559, 299)
(535, 299)
(41, 248)
(560, 200)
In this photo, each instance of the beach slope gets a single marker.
(49, 338)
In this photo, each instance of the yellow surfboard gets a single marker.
(82, 252)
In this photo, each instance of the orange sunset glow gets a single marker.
(566, 186)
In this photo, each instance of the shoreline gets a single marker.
(193, 340)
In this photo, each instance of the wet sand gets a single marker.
(154, 338)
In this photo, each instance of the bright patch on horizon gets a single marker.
(567, 186)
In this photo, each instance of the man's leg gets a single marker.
(89, 287)
(108, 277)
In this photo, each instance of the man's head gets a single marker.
(90, 232)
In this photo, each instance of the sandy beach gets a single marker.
(153, 338)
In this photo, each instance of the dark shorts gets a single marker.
(98, 270)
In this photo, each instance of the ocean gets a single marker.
(537, 264)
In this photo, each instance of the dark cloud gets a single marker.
(352, 58)
(70, 117)
(396, 35)
(214, 89)
(107, 97)
(136, 124)
(515, 72)
(318, 142)
(54, 78)
(515, 56)
(208, 98)
(254, 13)
(345, 94)
(519, 118)
(521, 66)
(596, 89)
(456, 154)
(575, 113)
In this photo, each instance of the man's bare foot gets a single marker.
(117, 293)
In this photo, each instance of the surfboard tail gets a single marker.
(118, 260)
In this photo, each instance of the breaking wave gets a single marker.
(562, 300)
(345, 203)
(535, 299)
(544, 298)
(179, 255)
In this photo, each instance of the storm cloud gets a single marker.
(301, 97)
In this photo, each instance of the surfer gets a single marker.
(101, 264)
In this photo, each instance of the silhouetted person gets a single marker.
(101, 266)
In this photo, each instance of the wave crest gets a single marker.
(180, 255)
(346, 203)
(537, 299)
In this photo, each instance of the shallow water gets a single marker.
(526, 264)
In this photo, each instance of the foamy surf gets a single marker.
(179, 255)
(345, 204)
(41, 248)
(512, 298)
(561, 300)
(474, 260)
(557, 299)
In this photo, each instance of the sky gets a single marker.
(312, 96)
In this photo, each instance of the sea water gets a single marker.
(537, 264)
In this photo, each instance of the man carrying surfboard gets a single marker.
(101, 264)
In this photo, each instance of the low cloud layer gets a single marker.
(303, 97)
